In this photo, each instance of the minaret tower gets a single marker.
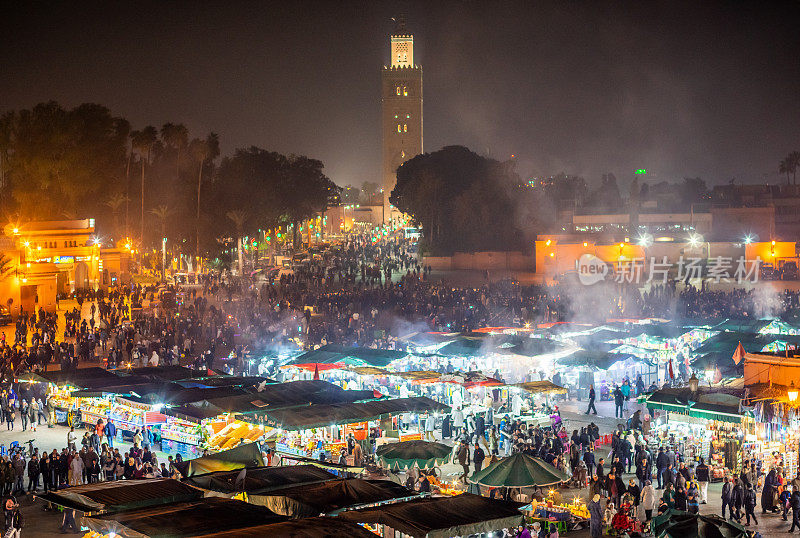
(401, 109)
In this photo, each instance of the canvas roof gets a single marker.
(260, 479)
(178, 520)
(107, 497)
(442, 517)
(312, 527)
(310, 500)
(244, 455)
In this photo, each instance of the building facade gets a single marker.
(44, 259)
(401, 111)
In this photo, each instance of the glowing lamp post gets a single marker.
(792, 393)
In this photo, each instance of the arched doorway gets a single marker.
(81, 276)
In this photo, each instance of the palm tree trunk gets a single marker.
(142, 223)
(197, 222)
(127, 195)
(241, 254)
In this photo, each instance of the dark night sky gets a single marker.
(584, 87)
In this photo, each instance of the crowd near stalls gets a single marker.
(351, 391)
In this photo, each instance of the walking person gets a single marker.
(794, 502)
(750, 504)
(23, 414)
(592, 396)
(478, 456)
(595, 517)
(701, 473)
(463, 459)
(619, 399)
(648, 500)
(727, 497)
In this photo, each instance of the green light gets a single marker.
(641, 171)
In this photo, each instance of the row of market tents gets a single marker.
(301, 500)
(304, 500)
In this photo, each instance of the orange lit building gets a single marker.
(47, 258)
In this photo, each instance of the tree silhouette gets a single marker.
(202, 151)
(238, 217)
(143, 142)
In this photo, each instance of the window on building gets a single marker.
(398, 58)
(398, 90)
(405, 57)
(408, 116)
(399, 129)
(405, 127)
(405, 91)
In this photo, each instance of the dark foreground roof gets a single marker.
(261, 479)
(442, 516)
(309, 500)
(313, 527)
(184, 519)
(107, 497)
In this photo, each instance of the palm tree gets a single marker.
(162, 213)
(783, 168)
(175, 136)
(202, 150)
(238, 217)
(794, 163)
(143, 142)
(114, 202)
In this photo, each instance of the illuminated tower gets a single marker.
(401, 109)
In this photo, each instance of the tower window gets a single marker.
(395, 116)
(398, 58)
(405, 57)
(399, 130)
(405, 127)
(398, 90)
(408, 116)
(405, 91)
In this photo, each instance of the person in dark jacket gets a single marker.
(619, 401)
(794, 502)
(592, 397)
(727, 497)
(44, 468)
(769, 492)
(662, 462)
(478, 456)
(737, 500)
(701, 472)
(680, 498)
(33, 474)
(750, 504)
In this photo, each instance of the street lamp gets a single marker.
(792, 393)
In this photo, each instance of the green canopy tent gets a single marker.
(348, 356)
(317, 416)
(680, 524)
(595, 360)
(519, 471)
(407, 454)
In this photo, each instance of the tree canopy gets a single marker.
(463, 201)
(86, 162)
